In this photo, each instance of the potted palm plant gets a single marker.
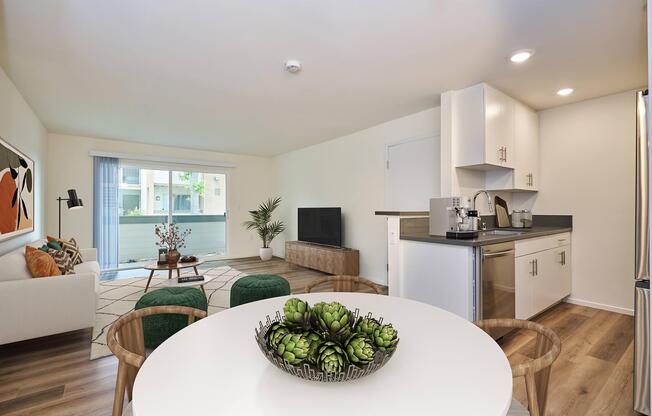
(261, 221)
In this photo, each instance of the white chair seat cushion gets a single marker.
(517, 409)
(88, 267)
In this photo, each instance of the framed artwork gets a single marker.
(16, 192)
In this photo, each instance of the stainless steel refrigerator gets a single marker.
(642, 277)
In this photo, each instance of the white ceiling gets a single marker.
(208, 74)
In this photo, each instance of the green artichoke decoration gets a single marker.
(331, 358)
(297, 313)
(334, 319)
(359, 349)
(315, 341)
(294, 348)
(366, 327)
(385, 337)
(275, 334)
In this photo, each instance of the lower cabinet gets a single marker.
(543, 273)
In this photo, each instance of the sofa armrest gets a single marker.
(88, 254)
(47, 305)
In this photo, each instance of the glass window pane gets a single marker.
(143, 197)
(199, 203)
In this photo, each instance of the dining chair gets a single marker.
(342, 283)
(127, 342)
(536, 370)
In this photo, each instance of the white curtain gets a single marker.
(105, 210)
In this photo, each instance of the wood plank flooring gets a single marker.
(593, 376)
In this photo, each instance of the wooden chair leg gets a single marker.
(532, 401)
(131, 378)
(120, 386)
(542, 378)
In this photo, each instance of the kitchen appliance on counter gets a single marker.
(521, 218)
(456, 217)
(450, 217)
(495, 290)
(642, 264)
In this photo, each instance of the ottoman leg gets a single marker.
(170, 274)
(149, 280)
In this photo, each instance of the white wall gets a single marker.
(70, 166)
(348, 172)
(20, 127)
(587, 169)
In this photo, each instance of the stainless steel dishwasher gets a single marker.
(496, 288)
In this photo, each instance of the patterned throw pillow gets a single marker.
(40, 264)
(69, 247)
(63, 261)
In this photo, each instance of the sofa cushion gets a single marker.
(88, 267)
(63, 260)
(69, 247)
(13, 266)
(40, 264)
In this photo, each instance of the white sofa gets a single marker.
(36, 307)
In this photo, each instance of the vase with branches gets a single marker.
(261, 221)
(172, 238)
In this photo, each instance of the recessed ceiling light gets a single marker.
(521, 56)
(293, 66)
(565, 91)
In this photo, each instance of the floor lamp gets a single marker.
(73, 203)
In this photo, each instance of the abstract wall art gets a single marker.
(16, 192)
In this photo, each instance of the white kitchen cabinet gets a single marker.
(524, 276)
(543, 273)
(526, 144)
(525, 175)
(484, 123)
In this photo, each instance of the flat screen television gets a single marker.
(321, 226)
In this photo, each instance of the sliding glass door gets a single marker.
(190, 198)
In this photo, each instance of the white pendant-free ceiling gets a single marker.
(210, 74)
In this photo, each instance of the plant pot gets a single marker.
(265, 253)
(173, 257)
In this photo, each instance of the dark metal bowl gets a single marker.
(310, 372)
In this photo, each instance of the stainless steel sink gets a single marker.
(501, 232)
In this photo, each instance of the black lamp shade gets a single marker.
(73, 200)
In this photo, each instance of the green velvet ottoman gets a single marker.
(158, 328)
(258, 287)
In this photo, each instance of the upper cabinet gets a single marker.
(484, 120)
(525, 175)
(526, 147)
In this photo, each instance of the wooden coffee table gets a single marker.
(155, 267)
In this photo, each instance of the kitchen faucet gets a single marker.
(486, 194)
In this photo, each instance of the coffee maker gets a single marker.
(453, 217)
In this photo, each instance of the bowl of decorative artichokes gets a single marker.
(326, 342)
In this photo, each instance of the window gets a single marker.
(130, 176)
(191, 199)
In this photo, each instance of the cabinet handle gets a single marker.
(532, 271)
(563, 258)
(536, 267)
(505, 154)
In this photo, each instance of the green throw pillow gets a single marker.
(51, 245)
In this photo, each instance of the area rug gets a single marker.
(118, 297)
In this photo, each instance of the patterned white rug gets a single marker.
(118, 297)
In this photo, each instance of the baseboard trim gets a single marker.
(617, 309)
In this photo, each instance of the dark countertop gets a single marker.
(482, 240)
(403, 213)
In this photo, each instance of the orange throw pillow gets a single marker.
(40, 263)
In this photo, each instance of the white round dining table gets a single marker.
(444, 365)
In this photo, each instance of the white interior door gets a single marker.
(412, 174)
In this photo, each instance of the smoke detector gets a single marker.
(293, 66)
